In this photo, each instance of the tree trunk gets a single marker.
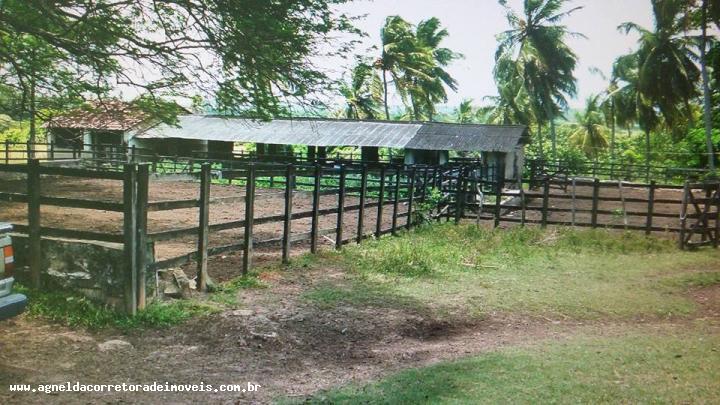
(541, 155)
(647, 147)
(33, 131)
(612, 133)
(553, 138)
(385, 95)
(706, 90)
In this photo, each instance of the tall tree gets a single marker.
(465, 113)
(631, 105)
(400, 57)
(589, 132)
(430, 88)
(250, 56)
(706, 15)
(667, 75)
(363, 93)
(536, 43)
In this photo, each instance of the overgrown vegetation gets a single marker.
(652, 368)
(582, 274)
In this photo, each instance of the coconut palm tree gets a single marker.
(667, 75)
(589, 132)
(429, 89)
(363, 93)
(400, 57)
(465, 113)
(631, 106)
(536, 43)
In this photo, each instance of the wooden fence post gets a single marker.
(315, 209)
(595, 201)
(204, 226)
(7, 151)
(716, 241)
(411, 197)
(651, 208)
(459, 194)
(143, 184)
(423, 191)
(363, 197)
(396, 201)
(130, 237)
(545, 201)
(341, 209)
(498, 201)
(34, 236)
(683, 214)
(249, 218)
(440, 188)
(287, 220)
(381, 202)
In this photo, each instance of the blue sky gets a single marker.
(473, 25)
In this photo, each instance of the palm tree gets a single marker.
(588, 131)
(400, 57)
(363, 93)
(465, 113)
(707, 13)
(535, 42)
(667, 75)
(363, 97)
(631, 106)
(429, 89)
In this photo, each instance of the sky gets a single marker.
(473, 25)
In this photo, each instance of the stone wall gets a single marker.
(93, 269)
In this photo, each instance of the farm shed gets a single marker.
(104, 130)
(423, 142)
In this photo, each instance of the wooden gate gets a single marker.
(700, 215)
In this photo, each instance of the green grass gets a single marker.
(582, 274)
(632, 369)
(77, 311)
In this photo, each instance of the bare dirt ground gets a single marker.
(269, 202)
(292, 348)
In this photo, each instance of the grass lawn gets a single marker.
(674, 368)
(595, 277)
(563, 273)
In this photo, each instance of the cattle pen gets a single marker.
(186, 212)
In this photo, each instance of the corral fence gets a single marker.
(465, 190)
(619, 170)
(398, 190)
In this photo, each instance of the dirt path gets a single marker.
(281, 341)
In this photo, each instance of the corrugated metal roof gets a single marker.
(330, 132)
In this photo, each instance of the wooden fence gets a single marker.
(380, 188)
(460, 191)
